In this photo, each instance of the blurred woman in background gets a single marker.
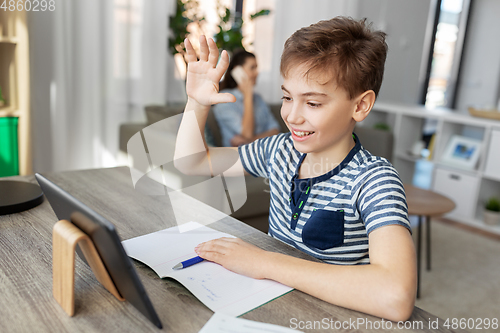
(249, 118)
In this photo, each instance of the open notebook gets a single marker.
(218, 288)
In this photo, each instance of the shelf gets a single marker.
(452, 168)
(447, 115)
(8, 40)
(8, 111)
(469, 188)
(408, 157)
(15, 81)
(496, 179)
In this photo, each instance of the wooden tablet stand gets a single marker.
(65, 236)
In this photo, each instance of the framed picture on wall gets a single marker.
(462, 152)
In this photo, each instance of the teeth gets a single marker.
(302, 133)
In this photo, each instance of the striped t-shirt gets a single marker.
(334, 213)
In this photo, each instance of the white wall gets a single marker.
(406, 33)
(480, 78)
(405, 22)
(286, 17)
(289, 16)
(42, 74)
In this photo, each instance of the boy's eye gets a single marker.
(286, 98)
(313, 105)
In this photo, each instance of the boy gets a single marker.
(329, 197)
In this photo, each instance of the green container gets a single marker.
(9, 158)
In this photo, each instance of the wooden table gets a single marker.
(425, 203)
(27, 305)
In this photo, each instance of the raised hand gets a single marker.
(203, 76)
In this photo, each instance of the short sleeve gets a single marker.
(257, 156)
(382, 199)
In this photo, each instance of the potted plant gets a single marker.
(230, 35)
(382, 127)
(188, 13)
(492, 211)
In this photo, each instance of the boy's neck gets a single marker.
(318, 163)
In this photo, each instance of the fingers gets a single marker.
(223, 63)
(208, 51)
(219, 245)
(191, 54)
(212, 251)
(206, 247)
(213, 52)
(212, 256)
(203, 48)
(223, 98)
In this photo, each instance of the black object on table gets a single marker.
(17, 196)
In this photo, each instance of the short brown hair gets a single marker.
(347, 49)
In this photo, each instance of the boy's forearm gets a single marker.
(190, 144)
(369, 288)
(192, 156)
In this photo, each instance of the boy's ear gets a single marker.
(363, 106)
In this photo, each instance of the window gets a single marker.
(445, 56)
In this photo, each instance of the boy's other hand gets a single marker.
(234, 254)
(203, 76)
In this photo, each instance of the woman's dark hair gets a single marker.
(238, 59)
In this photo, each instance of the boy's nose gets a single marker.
(294, 116)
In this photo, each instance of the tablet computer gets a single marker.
(107, 243)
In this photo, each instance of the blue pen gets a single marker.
(188, 263)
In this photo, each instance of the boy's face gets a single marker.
(319, 116)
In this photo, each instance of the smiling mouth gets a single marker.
(301, 134)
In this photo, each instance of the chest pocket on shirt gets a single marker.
(324, 229)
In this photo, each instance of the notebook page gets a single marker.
(218, 288)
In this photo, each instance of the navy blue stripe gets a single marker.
(383, 224)
(245, 167)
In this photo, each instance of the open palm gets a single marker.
(203, 75)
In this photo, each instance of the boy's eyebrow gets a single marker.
(310, 93)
